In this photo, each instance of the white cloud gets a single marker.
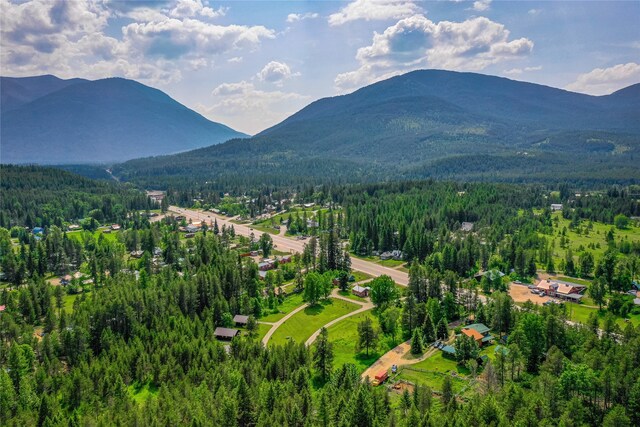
(602, 81)
(374, 10)
(174, 38)
(276, 72)
(237, 101)
(68, 38)
(481, 5)
(191, 8)
(534, 12)
(295, 17)
(517, 71)
(417, 42)
(235, 60)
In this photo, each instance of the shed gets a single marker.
(225, 333)
(360, 291)
(240, 320)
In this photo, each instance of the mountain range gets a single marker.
(48, 120)
(428, 123)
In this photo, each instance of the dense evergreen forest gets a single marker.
(130, 337)
(37, 196)
(152, 338)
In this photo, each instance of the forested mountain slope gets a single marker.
(79, 121)
(432, 123)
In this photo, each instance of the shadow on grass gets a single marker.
(317, 308)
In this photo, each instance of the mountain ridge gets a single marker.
(106, 120)
(419, 124)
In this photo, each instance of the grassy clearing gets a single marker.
(142, 393)
(81, 235)
(360, 276)
(580, 313)
(391, 263)
(69, 300)
(262, 331)
(348, 294)
(291, 302)
(597, 236)
(304, 323)
(344, 336)
(431, 372)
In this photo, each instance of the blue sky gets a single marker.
(250, 64)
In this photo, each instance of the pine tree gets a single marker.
(443, 330)
(367, 336)
(323, 355)
(428, 330)
(416, 342)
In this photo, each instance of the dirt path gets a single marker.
(367, 305)
(396, 356)
(286, 243)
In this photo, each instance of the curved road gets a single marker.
(284, 244)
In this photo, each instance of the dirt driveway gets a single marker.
(521, 293)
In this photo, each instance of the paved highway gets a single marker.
(285, 244)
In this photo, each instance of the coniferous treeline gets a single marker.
(38, 196)
(152, 338)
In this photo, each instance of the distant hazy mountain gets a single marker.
(431, 123)
(52, 121)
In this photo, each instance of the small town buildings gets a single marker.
(360, 291)
(191, 228)
(559, 289)
(115, 227)
(136, 254)
(267, 264)
(37, 230)
(491, 274)
(395, 255)
(65, 280)
(2, 308)
(636, 301)
(285, 259)
(556, 207)
(466, 226)
(73, 227)
(479, 332)
(240, 320)
(225, 333)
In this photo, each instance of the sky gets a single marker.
(251, 64)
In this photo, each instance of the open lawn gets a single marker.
(580, 313)
(391, 263)
(304, 323)
(291, 302)
(580, 242)
(344, 336)
(431, 372)
(81, 235)
(262, 331)
(348, 294)
(360, 276)
(69, 300)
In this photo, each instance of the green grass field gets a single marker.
(262, 331)
(304, 323)
(431, 372)
(291, 302)
(80, 235)
(597, 236)
(348, 294)
(580, 313)
(344, 336)
(142, 393)
(360, 276)
(391, 263)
